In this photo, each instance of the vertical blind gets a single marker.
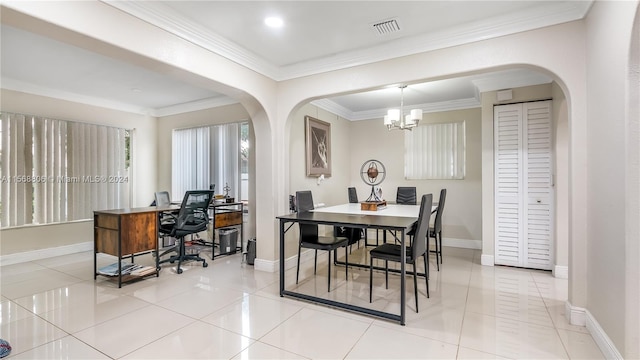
(56, 170)
(435, 151)
(206, 155)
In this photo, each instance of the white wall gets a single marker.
(220, 115)
(462, 225)
(144, 162)
(595, 97)
(331, 191)
(610, 294)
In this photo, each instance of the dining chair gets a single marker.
(406, 195)
(310, 239)
(418, 248)
(435, 232)
(353, 195)
(353, 234)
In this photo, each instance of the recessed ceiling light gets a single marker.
(274, 22)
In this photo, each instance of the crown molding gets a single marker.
(343, 112)
(155, 13)
(510, 79)
(162, 16)
(193, 106)
(20, 86)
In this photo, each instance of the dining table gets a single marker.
(395, 218)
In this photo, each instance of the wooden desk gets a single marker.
(126, 232)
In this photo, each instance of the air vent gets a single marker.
(386, 26)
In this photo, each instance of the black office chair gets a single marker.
(310, 239)
(162, 198)
(406, 195)
(392, 252)
(435, 232)
(192, 218)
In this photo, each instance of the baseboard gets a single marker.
(45, 253)
(582, 317)
(575, 315)
(462, 243)
(603, 341)
(289, 263)
(487, 260)
(560, 272)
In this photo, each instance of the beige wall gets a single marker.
(331, 191)
(30, 238)
(611, 246)
(166, 124)
(354, 142)
(588, 59)
(462, 217)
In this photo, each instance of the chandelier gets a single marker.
(397, 120)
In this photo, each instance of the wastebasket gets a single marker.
(251, 251)
(228, 240)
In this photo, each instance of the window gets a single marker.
(435, 151)
(210, 155)
(56, 171)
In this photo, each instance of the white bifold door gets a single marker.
(524, 185)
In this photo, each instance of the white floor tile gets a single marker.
(197, 340)
(28, 333)
(66, 348)
(260, 351)
(130, 332)
(53, 308)
(383, 343)
(510, 338)
(253, 316)
(316, 334)
(580, 345)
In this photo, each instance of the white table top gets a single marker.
(389, 210)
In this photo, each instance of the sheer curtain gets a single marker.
(435, 151)
(56, 170)
(203, 156)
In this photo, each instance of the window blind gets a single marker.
(206, 155)
(56, 170)
(435, 151)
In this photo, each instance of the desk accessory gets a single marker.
(373, 173)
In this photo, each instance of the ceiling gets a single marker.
(317, 36)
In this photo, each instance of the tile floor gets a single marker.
(53, 309)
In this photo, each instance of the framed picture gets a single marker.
(318, 147)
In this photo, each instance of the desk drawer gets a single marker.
(106, 221)
(223, 219)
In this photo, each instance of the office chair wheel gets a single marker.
(204, 264)
(179, 271)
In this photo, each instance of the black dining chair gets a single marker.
(435, 232)
(353, 195)
(406, 195)
(310, 239)
(353, 234)
(418, 248)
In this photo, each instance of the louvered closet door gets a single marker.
(523, 185)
